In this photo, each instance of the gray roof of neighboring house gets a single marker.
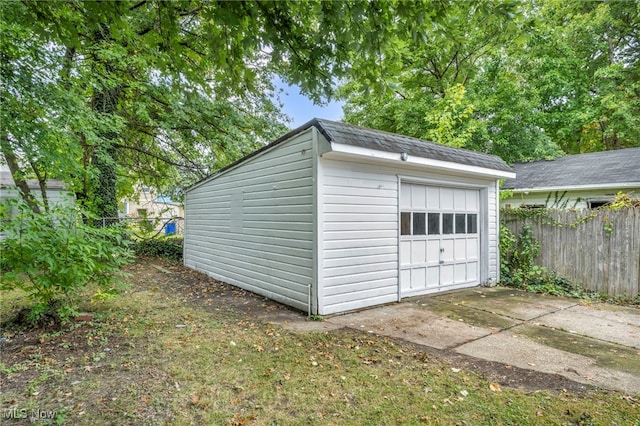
(6, 180)
(348, 134)
(597, 168)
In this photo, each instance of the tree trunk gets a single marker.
(103, 158)
(18, 175)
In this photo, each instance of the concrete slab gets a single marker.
(412, 323)
(468, 314)
(604, 354)
(595, 344)
(618, 326)
(511, 349)
(511, 303)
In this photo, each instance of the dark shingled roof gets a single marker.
(596, 168)
(390, 142)
(348, 134)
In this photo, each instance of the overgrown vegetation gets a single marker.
(166, 247)
(53, 255)
(518, 268)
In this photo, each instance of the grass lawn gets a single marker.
(180, 348)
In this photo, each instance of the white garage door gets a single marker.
(439, 238)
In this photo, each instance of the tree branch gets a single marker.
(17, 174)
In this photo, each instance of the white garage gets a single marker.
(333, 217)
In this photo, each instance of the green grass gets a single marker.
(224, 368)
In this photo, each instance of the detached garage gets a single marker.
(333, 217)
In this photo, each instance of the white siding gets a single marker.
(252, 226)
(492, 237)
(360, 231)
(359, 238)
(566, 199)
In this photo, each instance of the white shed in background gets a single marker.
(333, 217)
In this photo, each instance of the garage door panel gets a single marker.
(472, 248)
(418, 279)
(418, 252)
(442, 251)
(446, 199)
(405, 279)
(433, 276)
(472, 271)
(418, 197)
(447, 250)
(433, 197)
(433, 252)
(405, 196)
(459, 199)
(460, 250)
(446, 275)
(473, 200)
(405, 253)
(460, 273)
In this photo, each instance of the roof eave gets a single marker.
(576, 187)
(396, 158)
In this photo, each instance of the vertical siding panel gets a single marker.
(360, 243)
(265, 244)
(494, 229)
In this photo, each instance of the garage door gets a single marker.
(439, 238)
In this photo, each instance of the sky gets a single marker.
(301, 109)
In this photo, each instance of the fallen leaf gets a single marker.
(495, 387)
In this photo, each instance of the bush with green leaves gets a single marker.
(167, 247)
(518, 268)
(54, 255)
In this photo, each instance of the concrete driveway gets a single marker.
(595, 344)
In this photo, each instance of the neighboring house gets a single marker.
(575, 181)
(56, 189)
(332, 217)
(149, 204)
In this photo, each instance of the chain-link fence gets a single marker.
(147, 227)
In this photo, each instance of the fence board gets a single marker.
(601, 253)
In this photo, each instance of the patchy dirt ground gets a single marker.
(198, 288)
(50, 362)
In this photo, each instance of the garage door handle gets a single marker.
(441, 262)
(442, 250)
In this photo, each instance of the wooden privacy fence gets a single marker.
(596, 249)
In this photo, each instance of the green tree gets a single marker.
(585, 59)
(456, 85)
(146, 90)
(523, 80)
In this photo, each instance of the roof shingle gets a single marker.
(363, 137)
(596, 168)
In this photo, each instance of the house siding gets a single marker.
(493, 234)
(359, 237)
(562, 199)
(360, 231)
(252, 226)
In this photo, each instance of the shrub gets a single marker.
(167, 247)
(54, 255)
(517, 267)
